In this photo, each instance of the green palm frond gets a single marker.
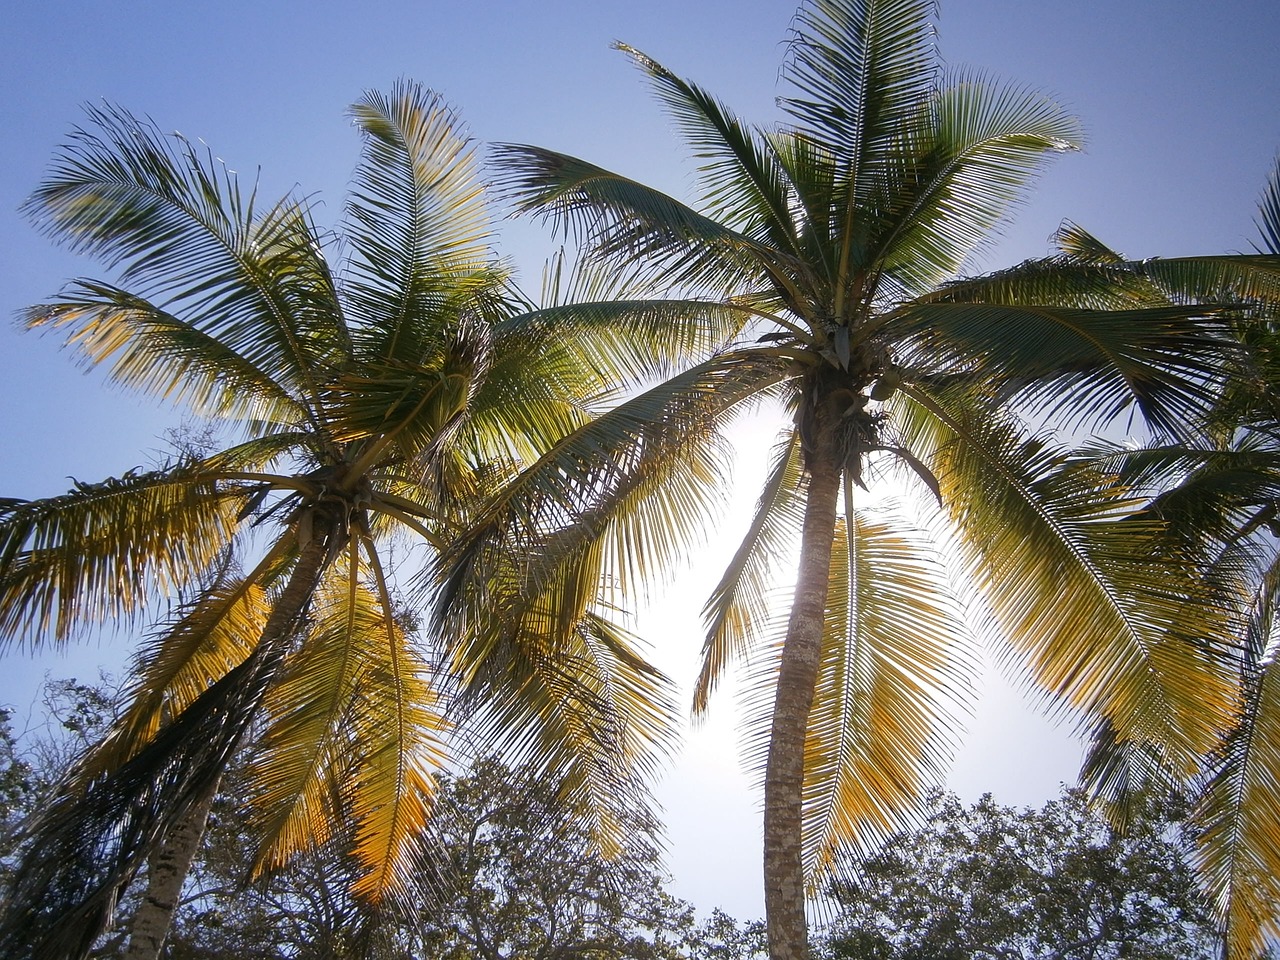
(184, 236)
(156, 352)
(738, 612)
(1250, 284)
(828, 241)
(958, 182)
(1073, 279)
(1091, 601)
(616, 217)
(416, 220)
(1086, 366)
(1217, 496)
(104, 550)
(1243, 281)
(629, 341)
(1121, 775)
(896, 673)
(743, 183)
(567, 691)
(1269, 212)
(552, 364)
(246, 460)
(408, 411)
(862, 71)
(1079, 244)
(581, 488)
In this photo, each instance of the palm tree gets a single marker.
(838, 237)
(1223, 495)
(1240, 805)
(375, 401)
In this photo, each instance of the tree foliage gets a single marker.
(516, 871)
(515, 876)
(1054, 883)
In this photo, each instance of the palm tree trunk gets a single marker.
(166, 873)
(797, 678)
(168, 867)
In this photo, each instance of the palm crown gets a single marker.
(838, 238)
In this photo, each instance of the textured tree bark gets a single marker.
(166, 873)
(797, 678)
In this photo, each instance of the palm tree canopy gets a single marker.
(363, 406)
(841, 235)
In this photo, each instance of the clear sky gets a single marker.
(1180, 102)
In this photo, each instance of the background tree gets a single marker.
(839, 236)
(515, 875)
(1055, 883)
(381, 397)
(17, 787)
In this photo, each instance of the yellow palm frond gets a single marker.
(1239, 812)
(104, 550)
(299, 758)
(897, 665)
(213, 634)
(894, 681)
(398, 726)
(1106, 619)
(153, 351)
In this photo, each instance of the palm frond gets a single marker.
(1269, 213)
(156, 352)
(210, 637)
(1105, 618)
(185, 237)
(743, 183)
(301, 755)
(417, 223)
(738, 611)
(565, 691)
(862, 70)
(896, 673)
(953, 186)
(1121, 776)
(1249, 284)
(1075, 278)
(1213, 495)
(408, 411)
(616, 217)
(595, 480)
(104, 550)
(627, 342)
(1077, 243)
(1239, 811)
(1087, 366)
(399, 724)
(90, 841)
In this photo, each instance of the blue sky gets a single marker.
(1179, 103)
